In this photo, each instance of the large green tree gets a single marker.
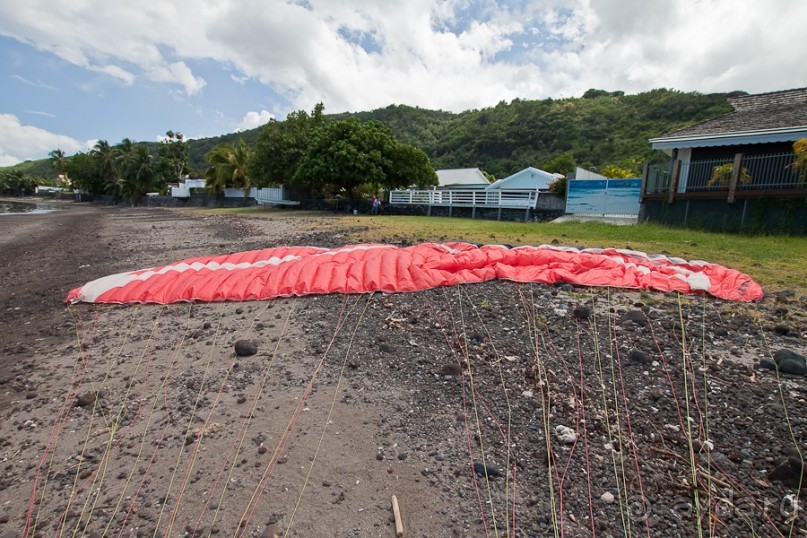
(83, 172)
(281, 145)
(174, 155)
(345, 154)
(229, 167)
(346, 157)
(409, 166)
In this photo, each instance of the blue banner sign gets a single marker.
(603, 197)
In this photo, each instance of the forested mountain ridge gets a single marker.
(608, 128)
(601, 128)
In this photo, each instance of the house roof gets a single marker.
(761, 118)
(461, 176)
(529, 178)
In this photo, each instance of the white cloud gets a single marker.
(115, 72)
(23, 142)
(178, 73)
(254, 119)
(449, 54)
(121, 39)
(40, 113)
(35, 84)
(700, 45)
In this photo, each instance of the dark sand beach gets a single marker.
(497, 409)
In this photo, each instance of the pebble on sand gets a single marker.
(86, 399)
(790, 362)
(486, 468)
(565, 434)
(245, 348)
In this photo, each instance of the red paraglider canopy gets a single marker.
(287, 271)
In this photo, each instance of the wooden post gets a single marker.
(645, 174)
(736, 170)
(674, 181)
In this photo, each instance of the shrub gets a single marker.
(558, 186)
(721, 176)
(800, 160)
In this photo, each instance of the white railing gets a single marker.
(493, 198)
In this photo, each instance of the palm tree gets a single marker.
(106, 162)
(229, 167)
(58, 160)
(139, 175)
(123, 155)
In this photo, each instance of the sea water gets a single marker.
(16, 208)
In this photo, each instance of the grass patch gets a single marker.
(776, 262)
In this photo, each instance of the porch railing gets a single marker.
(699, 173)
(658, 179)
(508, 199)
(773, 172)
(757, 172)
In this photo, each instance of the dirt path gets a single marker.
(593, 411)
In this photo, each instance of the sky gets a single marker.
(75, 72)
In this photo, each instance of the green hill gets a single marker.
(599, 128)
(38, 168)
(607, 129)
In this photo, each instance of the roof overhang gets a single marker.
(765, 136)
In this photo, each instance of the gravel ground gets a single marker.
(495, 409)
